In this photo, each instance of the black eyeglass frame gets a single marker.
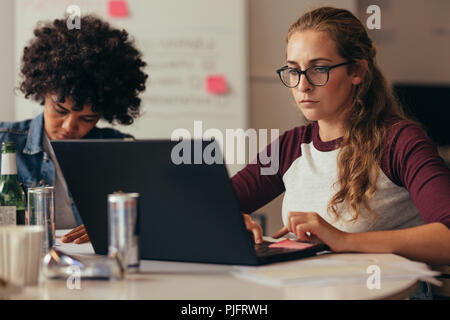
(300, 72)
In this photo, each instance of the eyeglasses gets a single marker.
(317, 75)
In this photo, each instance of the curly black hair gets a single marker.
(96, 65)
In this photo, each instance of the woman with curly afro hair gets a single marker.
(80, 76)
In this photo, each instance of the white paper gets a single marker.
(72, 248)
(333, 272)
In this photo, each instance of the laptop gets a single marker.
(188, 212)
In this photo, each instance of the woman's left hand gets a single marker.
(299, 223)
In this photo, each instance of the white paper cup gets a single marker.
(21, 254)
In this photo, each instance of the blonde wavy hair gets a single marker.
(372, 105)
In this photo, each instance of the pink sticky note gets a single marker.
(216, 84)
(118, 9)
(291, 244)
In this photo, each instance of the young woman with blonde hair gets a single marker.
(360, 176)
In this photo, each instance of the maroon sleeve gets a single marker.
(254, 189)
(411, 160)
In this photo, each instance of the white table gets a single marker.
(192, 281)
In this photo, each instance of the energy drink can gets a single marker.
(123, 209)
(41, 211)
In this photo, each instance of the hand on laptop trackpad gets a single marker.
(291, 244)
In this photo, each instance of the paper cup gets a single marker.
(21, 254)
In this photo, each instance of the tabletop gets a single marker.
(167, 280)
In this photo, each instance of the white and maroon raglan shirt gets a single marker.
(413, 187)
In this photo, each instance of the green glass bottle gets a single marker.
(12, 196)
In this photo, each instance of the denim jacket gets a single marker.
(33, 164)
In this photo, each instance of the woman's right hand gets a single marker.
(254, 228)
(77, 235)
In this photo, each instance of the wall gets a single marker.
(7, 61)
(413, 44)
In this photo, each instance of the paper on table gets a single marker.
(332, 271)
(72, 248)
(291, 244)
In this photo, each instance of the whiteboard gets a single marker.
(183, 42)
